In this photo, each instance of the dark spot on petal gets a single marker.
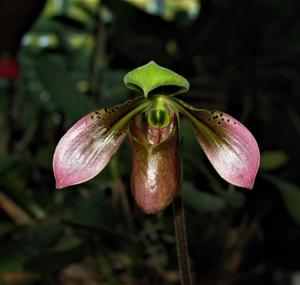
(221, 114)
(219, 123)
(222, 119)
(215, 117)
(228, 120)
(234, 123)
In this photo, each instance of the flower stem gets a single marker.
(182, 251)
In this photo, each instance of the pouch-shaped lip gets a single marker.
(156, 172)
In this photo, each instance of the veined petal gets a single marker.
(228, 144)
(87, 147)
(156, 172)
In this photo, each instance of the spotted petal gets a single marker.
(155, 175)
(88, 146)
(228, 144)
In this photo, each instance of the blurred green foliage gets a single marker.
(243, 58)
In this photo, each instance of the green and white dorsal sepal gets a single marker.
(152, 79)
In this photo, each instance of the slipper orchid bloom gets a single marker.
(151, 120)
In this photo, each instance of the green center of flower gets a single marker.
(158, 116)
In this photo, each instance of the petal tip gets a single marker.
(59, 185)
(249, 186)
(243, 181)
(59, 182)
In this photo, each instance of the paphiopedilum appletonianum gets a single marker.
(152, 122)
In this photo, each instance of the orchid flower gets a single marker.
(152, 120)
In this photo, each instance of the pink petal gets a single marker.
(82, 152)
(88, 146)
(229, 146)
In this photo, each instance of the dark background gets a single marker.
(241, 57)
